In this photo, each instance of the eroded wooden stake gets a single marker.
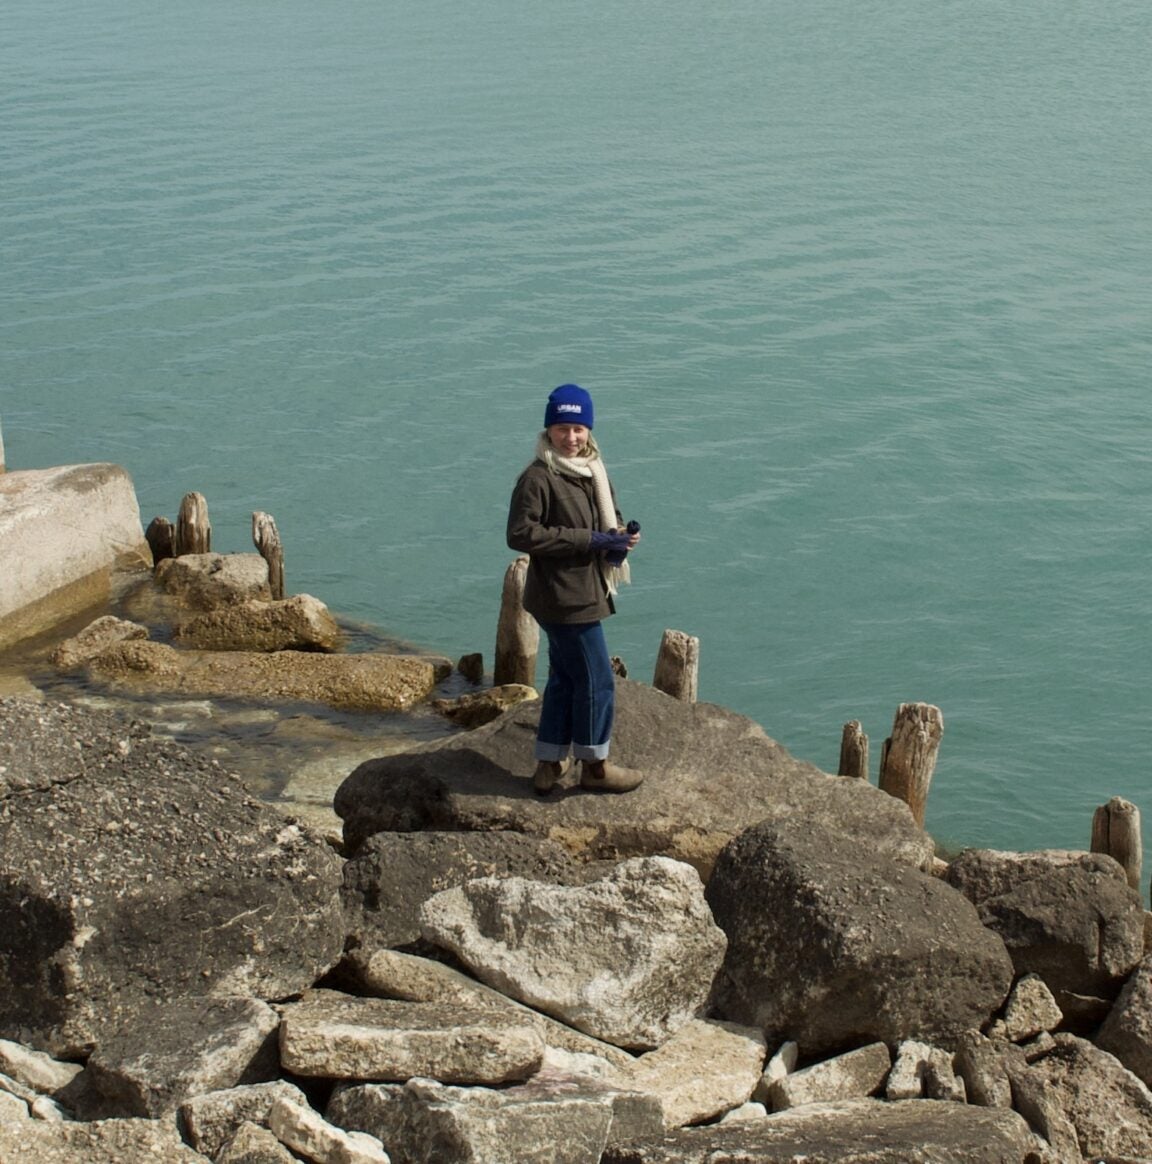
(517, 634)
(678, 666)
(193, 531)
(161, 539)
(266, 537)
(854, 751)
(909, 755)
(1116, 831)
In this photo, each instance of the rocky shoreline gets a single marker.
(744, 960)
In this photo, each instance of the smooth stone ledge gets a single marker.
(63, 532)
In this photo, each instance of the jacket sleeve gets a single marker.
(527, 532)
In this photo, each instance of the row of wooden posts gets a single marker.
(192, 534)
(907, 758)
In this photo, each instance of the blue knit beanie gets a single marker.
(568, 404)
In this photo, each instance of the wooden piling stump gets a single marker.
(517, 633)
(854, 751)
(909, 755)
(193, 530)
(161, 539)
(266, 537)
(1116, 831)
(678, 666)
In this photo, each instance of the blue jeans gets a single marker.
(580, 697)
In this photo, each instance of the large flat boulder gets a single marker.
(832, 946)
(711, 774)
(63, 532)
(132, 869)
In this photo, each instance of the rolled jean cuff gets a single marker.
(552, 753)
(590, 751)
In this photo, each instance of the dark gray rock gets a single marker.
(393, 874)
(181, 1048)
(213, 1118)
(1079, 928)
(1127, 1032)
(711, 774)
(833, 946)
(132, 869)
(424, 1122)
(983, 873)
(861, 1131)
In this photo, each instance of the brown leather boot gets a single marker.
(545, 777)
(600, 776)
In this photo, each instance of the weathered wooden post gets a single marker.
(854, 751)
(161, 539)
(678, 666)
(193, 531)
(267, 539)
(909, 755)
(1116, 831)
(517, 634)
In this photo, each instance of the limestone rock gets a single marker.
(362, 682)
(208, 581)
(713, 773)
(425, 1122)
(477, 708)
(34, 1069)
(628, 959)
(980, 1062)
(889, 953)
(862, 1131)
(299, 623)
(181, 1048)
(95, 638)
(104, 1142)
(119, 847)
(253, 1144)
(1080, 928)
(335, 1036)
(701, 1072)
(983, 873)
(393, 874)
(1109, 1107)
(213, 1118)
(307, 1132)
(63, 532)
(12, 1107)
(1029, 1010)
(924, 1072)
(782, 1063)
(1127, 1032)
(854, 1075)
(409, 978)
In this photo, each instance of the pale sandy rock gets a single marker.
(628, 959)
(1029, 1010)
(132, 1141)
(980, 1062)
(307, 1132)
(408, 977)
(360, 682)
(13, 1086)
(544, 1121)
(854, 1075)
(299, 623)
(782, 1063)
(44, 1107)
(254, 1144)
(924, 1072)
(746, 1113)
(208, 581)
(213, 1118)
(63, 533)
(12, 1107)
(335, 1036)
(95, 638)
(701, 1072)
(35, 1069)
(182, 1048)
(477, 708)
(1127, 1032)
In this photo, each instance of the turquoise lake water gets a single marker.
(863, 293)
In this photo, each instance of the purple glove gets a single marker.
(614, 545)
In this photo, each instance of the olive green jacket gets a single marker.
(551, 518)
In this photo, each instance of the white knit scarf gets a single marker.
(590, 466)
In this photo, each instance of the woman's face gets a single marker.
(569, 440)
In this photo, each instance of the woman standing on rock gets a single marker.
(564, 516)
